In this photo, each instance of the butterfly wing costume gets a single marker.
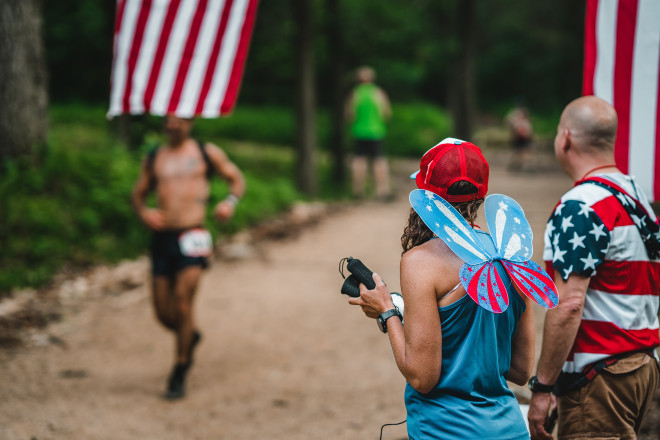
(512, 240)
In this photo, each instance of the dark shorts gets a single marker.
(166, 256)
(521, 143)
(369, 147)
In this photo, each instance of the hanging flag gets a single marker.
(179, 56)
(621, 65)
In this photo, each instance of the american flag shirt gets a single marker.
(591, 234)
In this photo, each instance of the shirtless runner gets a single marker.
(178, 173)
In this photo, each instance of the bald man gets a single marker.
(598, 363)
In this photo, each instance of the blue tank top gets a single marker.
(472, 399)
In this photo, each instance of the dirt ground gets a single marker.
(283, 356)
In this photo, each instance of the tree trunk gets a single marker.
(305, 97)
(462, 94)
(337, 65)
(23, 86)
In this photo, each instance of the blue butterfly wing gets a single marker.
(449, 225)
(483, 284)
(509, 228)
(530, 279)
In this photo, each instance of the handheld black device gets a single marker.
(359, 274)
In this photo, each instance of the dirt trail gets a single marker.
(282, 357)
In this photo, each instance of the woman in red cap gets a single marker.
(455, 355)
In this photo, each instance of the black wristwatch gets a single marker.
(383, 317)
(537, 387)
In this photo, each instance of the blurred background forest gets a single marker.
(450, 67)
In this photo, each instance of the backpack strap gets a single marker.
(210, 170)
(649, 230)
(151, 158)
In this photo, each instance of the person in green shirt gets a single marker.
(367, 110)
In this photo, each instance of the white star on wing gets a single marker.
(597, 232)
(585, 210)
(577, 240)
(428, 208)
(566, 222)
(517, 220)
(558, 255)
(504, 206)
(589, 262)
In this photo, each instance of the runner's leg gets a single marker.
(184, 290)
(382, 177)
(164, 301)
(359, 168)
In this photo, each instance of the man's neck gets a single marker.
(594, 165)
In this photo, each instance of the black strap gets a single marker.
(648, 229)
(572, 381)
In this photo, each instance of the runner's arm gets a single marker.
(153, 218)
(227, 170)
(224, 210)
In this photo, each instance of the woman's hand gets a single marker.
(376, 301)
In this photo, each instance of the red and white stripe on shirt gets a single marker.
(621, 304)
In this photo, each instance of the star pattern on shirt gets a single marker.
(577, 239)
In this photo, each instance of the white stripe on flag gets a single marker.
(644, 92)
(194, 78)
(150, 40)
(172, 59)
(629, 312)
(225, 62)
(606, 46)
(124, 42)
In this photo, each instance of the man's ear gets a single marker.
(566, 141)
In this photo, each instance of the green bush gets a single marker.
(72, 207)
(415, 128)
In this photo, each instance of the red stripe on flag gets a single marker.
(239, 61)
(134, 54)
(160, 52)
(187, 55)
(213, 59)
(119, 18)
(625, 43)
(590, 48)
(606, 337)
(627, 278)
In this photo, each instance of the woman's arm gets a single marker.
(522, 347)
(417, 348)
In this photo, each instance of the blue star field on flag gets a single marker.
(511, 246)
(579, 239)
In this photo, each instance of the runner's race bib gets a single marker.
(196, 243)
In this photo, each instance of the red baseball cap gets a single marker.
(451, 161)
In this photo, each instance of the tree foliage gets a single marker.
(523, 48)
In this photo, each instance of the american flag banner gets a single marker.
(179, 56)
(621, 65)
